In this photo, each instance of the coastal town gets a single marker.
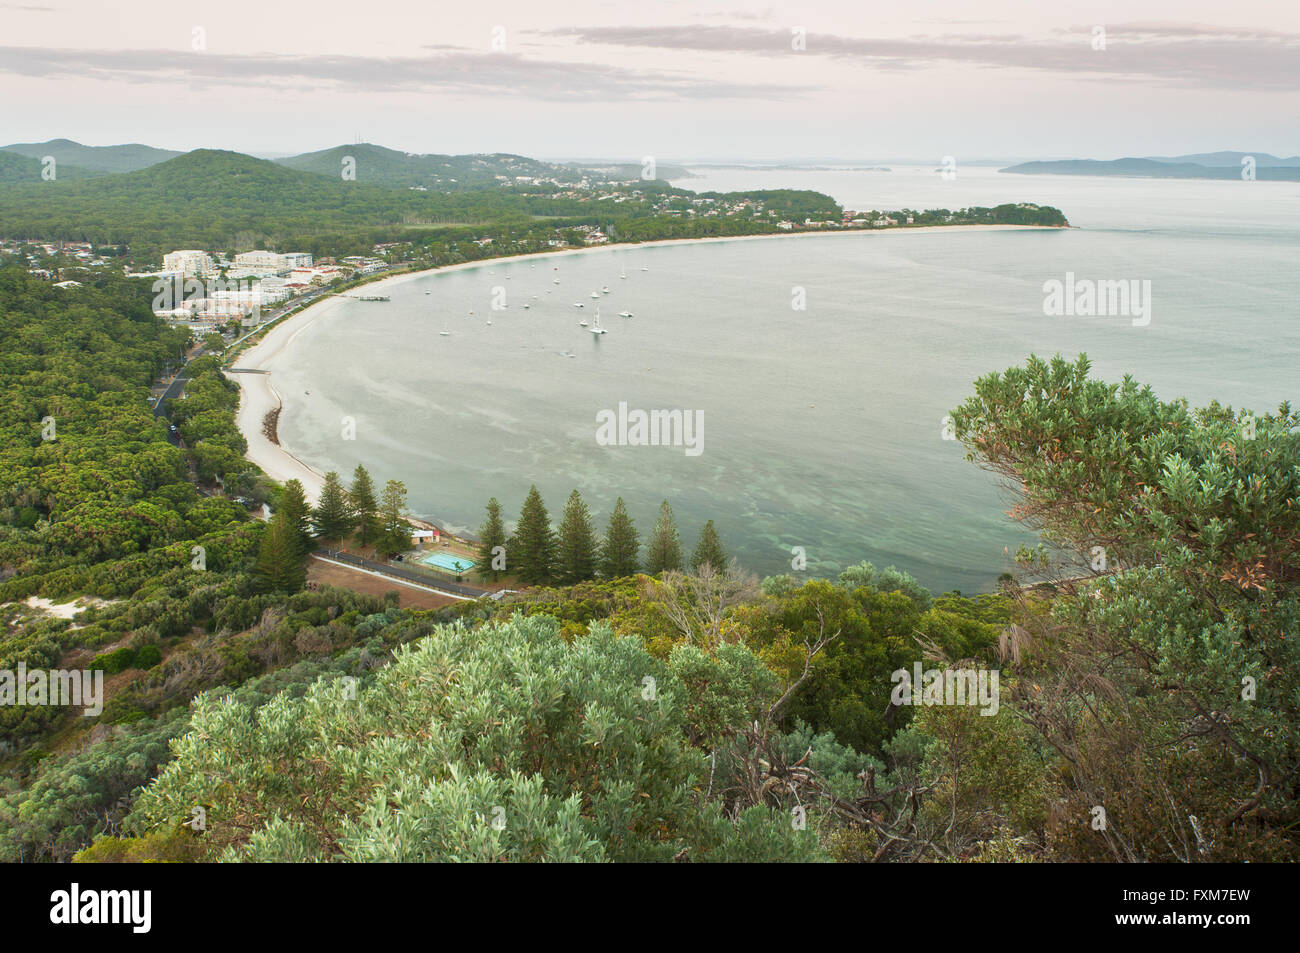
(209, 290)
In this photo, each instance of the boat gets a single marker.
(625, 314)
(578, 304)
(582, 323)
(595, 324)
(444, 333)
(525, 307)
(555, 281)
(623, 273)
(644, 268)
(595, 294)
(604, 289)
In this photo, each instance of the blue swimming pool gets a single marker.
(449, 562)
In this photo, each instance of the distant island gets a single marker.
(1206, 165)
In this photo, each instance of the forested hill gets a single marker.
(26, 170)
(98, 159)
(209, 198)
(376, 165)
(227, 202)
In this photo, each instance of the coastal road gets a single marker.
(175, 387)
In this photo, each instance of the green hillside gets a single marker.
(376, 165)
(223, 200)
(24, 170)
(123, 158)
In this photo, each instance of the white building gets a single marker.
(273, 288)
(318, 274)
(269, 262)
(190, 261)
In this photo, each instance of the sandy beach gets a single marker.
(258, 396)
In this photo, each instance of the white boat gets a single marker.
(625, 314)
(595, 324)
(444, 333)
(582, 323)
(595, 294)
(555, 281)
(604, 290)
(644, 268)
(578, 304)
(525, 307)
(623, 273)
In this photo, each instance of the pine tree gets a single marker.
(709, 550)
(531, 550)
(280, 562)
(665, 550)
(332, 516)
(491, 535)
(361, 500)
(576, 545)
(618, 553)
(297, 513)
(394, 535)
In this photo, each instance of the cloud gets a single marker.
(448, 69)
(1191, 55)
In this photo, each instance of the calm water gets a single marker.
(822, 427)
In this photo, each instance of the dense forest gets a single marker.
(635, 703)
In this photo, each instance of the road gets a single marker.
(175, 387)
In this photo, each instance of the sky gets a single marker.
(676, 80)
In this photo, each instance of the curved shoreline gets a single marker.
(258, 396)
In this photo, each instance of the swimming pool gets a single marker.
(448, 562)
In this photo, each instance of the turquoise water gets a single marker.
(448, 561)
(823, 427)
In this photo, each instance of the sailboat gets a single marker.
(595, 324)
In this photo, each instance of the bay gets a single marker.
(823, 426)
